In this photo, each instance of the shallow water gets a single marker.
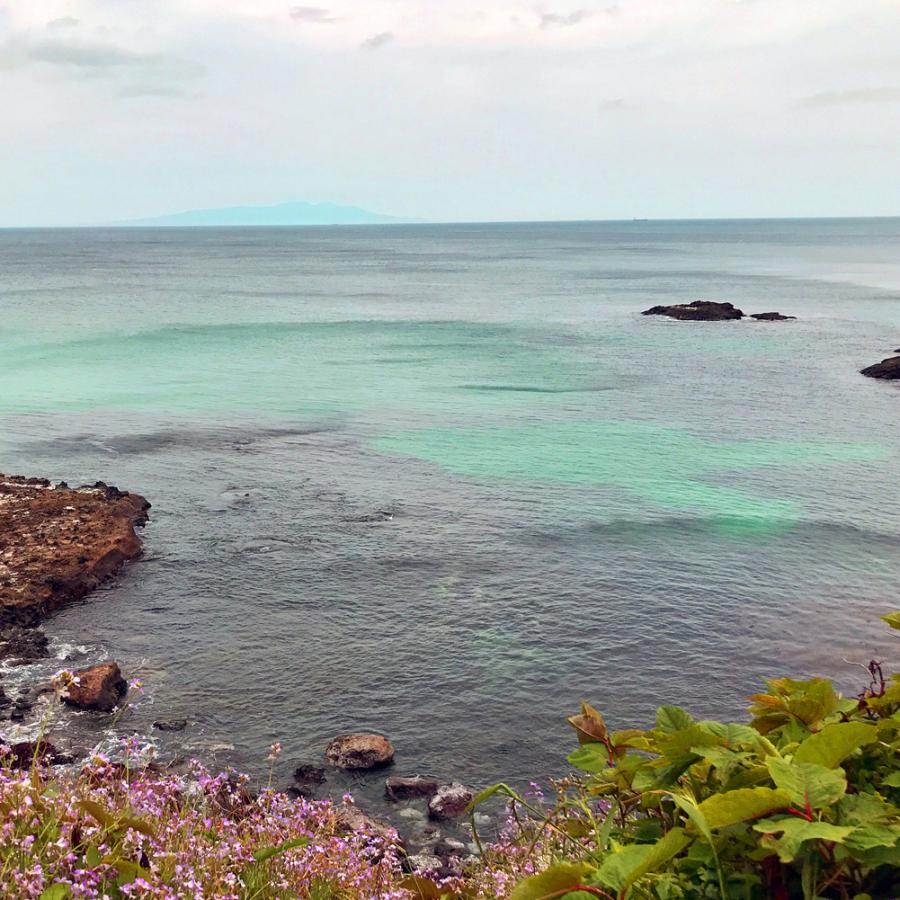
(443, 482)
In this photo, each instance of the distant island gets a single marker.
(294, 213)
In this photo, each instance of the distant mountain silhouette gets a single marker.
(296, 213)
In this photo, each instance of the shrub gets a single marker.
(800, 802)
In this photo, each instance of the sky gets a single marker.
(450, 110)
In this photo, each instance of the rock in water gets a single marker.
(99, 687)
(59, 543)
(399, 788)
(359, 751)
(698, 311)
(887, 368)
(170, 724)
(449, 802)
(771, 317)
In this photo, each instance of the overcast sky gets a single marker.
(450, 109)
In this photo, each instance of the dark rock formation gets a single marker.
(99, 687)
(887, 368)
(57, 544)
(306, 774)
(698, 311)
(24, 754)
(359, 751)
(20, 646)
(398, 787)
(771, 317)
(449, 801)
(170, 724)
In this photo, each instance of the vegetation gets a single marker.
(799, 803)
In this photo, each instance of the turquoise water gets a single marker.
(445, 481)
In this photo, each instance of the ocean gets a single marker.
(444, 482)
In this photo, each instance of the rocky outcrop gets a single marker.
(24, 754)
(413, 787)
(771, 317)
(20, 646)
(887, 368)
(99, 687)
(359, 751)
(170, 724)
(58, 543)
(449, 802)
(698, 311)
(351, 818)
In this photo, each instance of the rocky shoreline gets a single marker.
(57, 544)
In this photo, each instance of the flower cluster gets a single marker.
(139, 831)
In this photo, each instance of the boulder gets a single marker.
(25, 753)
(20, 645)
(306, 774)
(398, 787)
(350, 818)
(359, 751)
(170, 724)
(698, 311)
(771, 317)
(449, 801)
(99, 687)
(887, 368)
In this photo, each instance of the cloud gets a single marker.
(135, 73)
(857, 96)
(316, 14)
(377, 40)
(564, 20)
(611, 104)
(62, 23)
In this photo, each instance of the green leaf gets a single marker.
(661, 852)
(672, 718)
(265, 853)
(870, 836)
(592, 758)
(834, 743)
(138, 825)
(690, 808)
(808, 782)
(92, 857)
(795, 832)
(555, 879)
(56, 892)
(722, 810)
(893, 619)
(893, 780)
(618, 866)
(127, 869)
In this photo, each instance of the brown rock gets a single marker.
(698, 311)
(57, 543)
(771, 317)
(351, 818)
(887, 368)
(99, 687)
(25, 753)
(449, 802)
(359, 751)
(398, 787)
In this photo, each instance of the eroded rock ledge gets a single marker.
(59, 543)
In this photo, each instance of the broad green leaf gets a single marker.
(721, 810)
(662, 773)
(138, 825)
(893, 619)
(733, 735)
(590, 758)
(127, 869)
(555, 879)
(869, 836)
(678, 743)
(834, 743)
(893, 780)
(265, 853)
(672, 718)
(92, 857)
(795, 832)
(617, 867)
(690, 808)
(661, 852)
(588, 725)
(808, 782)
(56, 892)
